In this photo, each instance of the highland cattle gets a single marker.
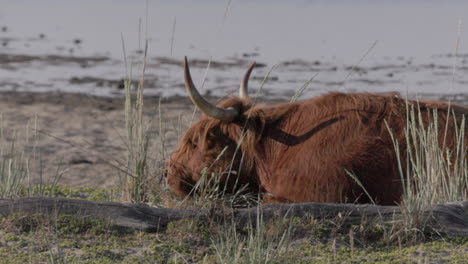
(304, 151)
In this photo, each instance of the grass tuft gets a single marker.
(434, 174)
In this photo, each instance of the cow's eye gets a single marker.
(191, 142)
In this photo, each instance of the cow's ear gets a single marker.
(279, 114)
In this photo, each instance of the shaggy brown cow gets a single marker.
(301, 152)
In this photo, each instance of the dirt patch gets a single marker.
(84, 136)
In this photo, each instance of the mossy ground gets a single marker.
(69, 192)
(72, 239)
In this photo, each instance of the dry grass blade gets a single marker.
(433, 174)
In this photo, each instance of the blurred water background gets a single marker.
(415, 47)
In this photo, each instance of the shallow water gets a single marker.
(358, 46)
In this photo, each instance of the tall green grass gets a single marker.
(434, 174)
(13, 166)
(136, 180)
(142, 181)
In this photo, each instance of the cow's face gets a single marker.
(204, 151)
(210, 148)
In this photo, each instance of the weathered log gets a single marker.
(450, 218)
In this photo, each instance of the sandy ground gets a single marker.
(82, 135)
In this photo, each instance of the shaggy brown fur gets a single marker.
(299, 152)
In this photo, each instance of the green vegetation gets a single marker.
(135, 184)
(72, 239)
(13, 163)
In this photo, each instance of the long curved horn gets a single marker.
(244, 86)
(202, 104)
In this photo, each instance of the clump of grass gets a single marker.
(257, 244)
(209, 192)
(14, 162)
(137, 183)
(56, 255)
(13, 171)
(434, 174)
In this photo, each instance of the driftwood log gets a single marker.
(450, 218)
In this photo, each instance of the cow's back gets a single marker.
(333, 135)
